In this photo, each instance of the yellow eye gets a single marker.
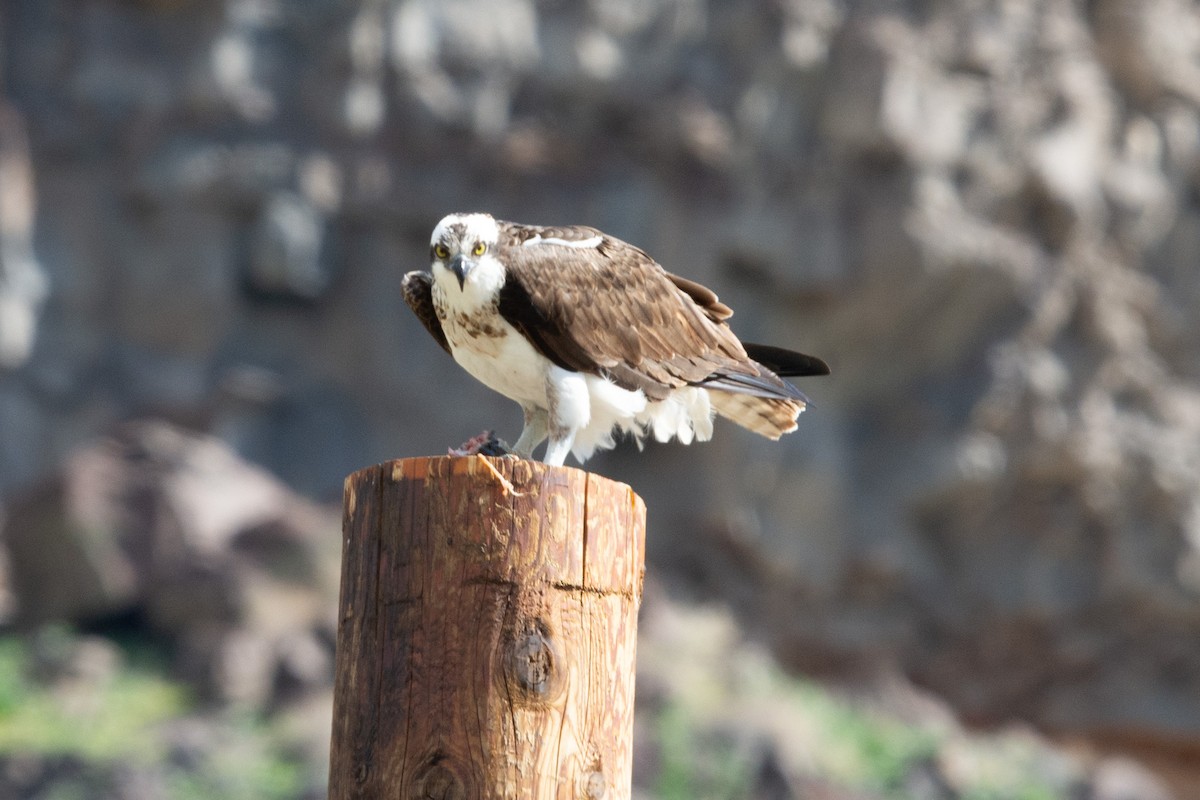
(480, 249)
(440, 251)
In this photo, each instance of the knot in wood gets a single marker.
(438, 782)
(534, 662)
(594, 785)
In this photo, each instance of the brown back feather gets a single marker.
(613, 310)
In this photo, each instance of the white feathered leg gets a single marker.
(570, 411)
(556, 451)
(534, 433)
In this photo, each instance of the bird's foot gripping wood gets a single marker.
(485, 444)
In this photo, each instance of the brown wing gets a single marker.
(704, 297)
(418, 293)
(610, 309)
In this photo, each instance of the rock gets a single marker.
(66, 549)
(305, 663)
(981, 214)
(1150, 47)
(241, 669)
(288, 253)
(31, 775)
(889, 99)
(173, 528)
(59, 658)
(1122, 779)
(771, 782)
(22, 281)
(925, 780)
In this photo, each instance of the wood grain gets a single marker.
(487, 636)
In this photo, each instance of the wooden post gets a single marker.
(487, 632)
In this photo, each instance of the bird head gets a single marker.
(462, 249)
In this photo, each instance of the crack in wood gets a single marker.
(566, 586)
(490, 580)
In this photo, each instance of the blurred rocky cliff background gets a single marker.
(984, 214)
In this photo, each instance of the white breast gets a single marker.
(498, 356)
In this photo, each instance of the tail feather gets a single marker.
(785, 363)
(766, 384)
(767, 416)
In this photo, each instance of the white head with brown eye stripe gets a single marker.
(463, 249)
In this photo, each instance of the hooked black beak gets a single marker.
(460, 267)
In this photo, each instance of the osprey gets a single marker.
(592, 337)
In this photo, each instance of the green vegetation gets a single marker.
(842, 743)
(708, 735)
(249, 765)
(692, 768)
(855, 746)
(117, 717)
(106, 719)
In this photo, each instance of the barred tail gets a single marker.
(767, 416)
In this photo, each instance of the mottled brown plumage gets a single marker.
(613, 310)
(417, 288)
(592, 304)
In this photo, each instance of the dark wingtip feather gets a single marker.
(785, 363)
(417, 288)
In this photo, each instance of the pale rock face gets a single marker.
(982, 215)
(23, 286)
